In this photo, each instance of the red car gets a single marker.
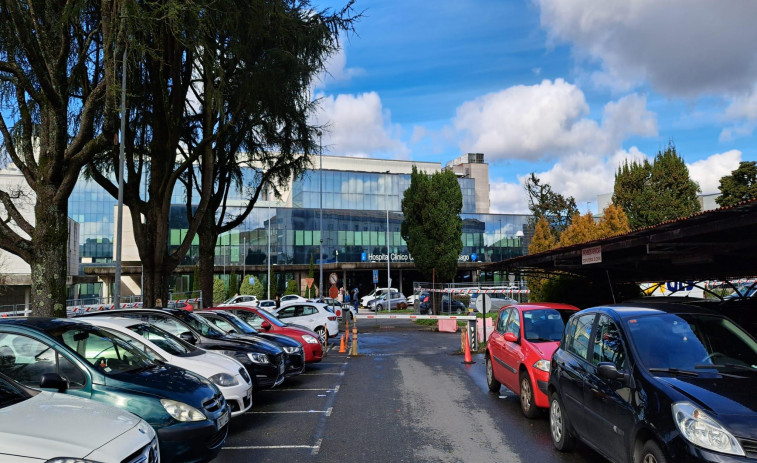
(262, 320)
(519, 350)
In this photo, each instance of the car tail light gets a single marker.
(332, 318)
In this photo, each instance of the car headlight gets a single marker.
(258, 358)
(542, 365)
(291, 349)
(700, 429)
(224, 380)
(181, 411)
(310, 339)
(69, 460)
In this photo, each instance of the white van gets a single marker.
(375, 294)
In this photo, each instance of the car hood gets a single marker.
(167, 381)
(545, 349)
(208, 364)
(729, 400)
(294, 330)
(52, 425)
(274, 338)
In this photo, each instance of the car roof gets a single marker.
(43, 324)
(630, 310)
(543, 305)
(115, 321)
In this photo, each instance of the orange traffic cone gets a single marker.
(342, 347)
(468, 358)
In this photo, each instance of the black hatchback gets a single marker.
(655, 383)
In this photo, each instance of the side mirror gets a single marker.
(53, 381)
(188, 337)
(607, 370)
(266, 325)
(510, 337)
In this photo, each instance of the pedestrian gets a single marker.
(278, 302)
(355, 299)
(340, 296)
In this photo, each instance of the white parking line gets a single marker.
(341, 373)
(286, 412)
(273, 447)
(332, 389)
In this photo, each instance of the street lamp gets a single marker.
(386, 203)
(269, 248)
(320, 206)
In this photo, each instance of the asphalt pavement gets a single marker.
(406, 397)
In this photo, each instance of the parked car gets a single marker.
(655, 382)
(188, 412)
(393, 300)
(339, 308)
(229, 376)
(519, 350)
(229, 323)
(452, 305)
(292, 298)
(36, 427)
(311, 315)
(263, 320)
(375, 294)
(263, 361)
(180, 305)
(498, 301)
(268, 304)
(241, 299)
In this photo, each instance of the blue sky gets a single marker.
(567, 89)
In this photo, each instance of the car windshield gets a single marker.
(108, 351)
(163, 339)
(543, 325)
(205, 327)
(675, 342)
(10, 393)
(230, 322)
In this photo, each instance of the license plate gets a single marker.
(223, 420)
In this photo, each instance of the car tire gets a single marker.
(458, 310)
(493, 384)
(323, 334)
(559, 427)
(379, 307)
(527, 405)
(652, 453)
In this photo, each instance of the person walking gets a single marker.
(355, 299)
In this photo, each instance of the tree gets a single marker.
(233, 285)
(543, 202)
(432, 226)
(741, 185)
(614, 222)
(58, 83)
(582, 229)
(543, 239)
(291, 288)
(257, 289)
(654, 193)
(245, 287)
(219, 291)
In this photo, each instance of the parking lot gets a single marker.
(407, 396)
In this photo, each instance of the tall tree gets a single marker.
(614, 222)
(653, 193)
(58, 81)
(582, 229)
(432, 226)
(740, 185)
(268, 63)
(544, 202)
(543, 239)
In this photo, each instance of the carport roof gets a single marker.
(716, 244)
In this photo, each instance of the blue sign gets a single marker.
(364, 257)
(473, 257)
(375, 276)
(252, 280)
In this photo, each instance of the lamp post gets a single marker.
(320, 206)
(120, 213)
(499, 243)
(386, 203)
(268, 258)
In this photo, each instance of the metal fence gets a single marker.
(458, 298)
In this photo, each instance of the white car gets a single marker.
(311, 315)
(340, 308)
(246, 299)
(42, 426)
(267, 304)
(375, 294)
(227, 374)
(292, 298)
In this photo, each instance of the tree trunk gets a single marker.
(49, 259)
(208, 238)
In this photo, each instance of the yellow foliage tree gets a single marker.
(614, 221)
(582, 229)
(543, 239)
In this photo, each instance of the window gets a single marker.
(25, 359)
(251, 318)
(607, 344)
(309, 310)
(577, 335)
(287, 313)
(502, 319)
(513, 323)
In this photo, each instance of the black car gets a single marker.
(263, 360)
(294, 355)
(655, 383)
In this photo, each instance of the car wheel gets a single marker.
(379, 307)
(558, 425)
(458, 310)
(652, 453)
(322, 333)
(527, 405)
(493, 384)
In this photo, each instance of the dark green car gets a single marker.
(187, 411)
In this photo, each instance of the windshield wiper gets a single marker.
(719, 366)
(674, 371)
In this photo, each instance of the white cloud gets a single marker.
(546, 121)
(743, 113)
(507, 197)
(358, 125)
(708, 172)
(336, 70)
(683, 47)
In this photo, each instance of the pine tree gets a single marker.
(740, 185)
(543, 239)
(614, 222)
(582, 229)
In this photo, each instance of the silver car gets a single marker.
(395, 301)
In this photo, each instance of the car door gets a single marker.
(607, 402)
(572, 369)
(26, 358)
(511, 352)
(496, 345)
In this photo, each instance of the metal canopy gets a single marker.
(717, 244)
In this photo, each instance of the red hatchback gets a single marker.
(262, 320)
(520, 349)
